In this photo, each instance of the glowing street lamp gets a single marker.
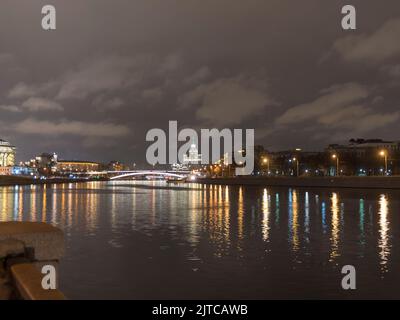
(335, 156)
(384, 155)
(265, 161)
(297, 166)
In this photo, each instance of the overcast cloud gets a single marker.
(115, 69)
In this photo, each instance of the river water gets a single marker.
(151, 240)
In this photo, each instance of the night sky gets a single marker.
(115, 69)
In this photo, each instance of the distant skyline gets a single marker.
(114, 70)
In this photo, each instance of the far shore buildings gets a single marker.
(361, 147)
(356, 158)
(49, 163)
(44, 164)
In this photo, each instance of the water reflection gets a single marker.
(293, 219)
(383, 242)
(217, 229)
(323, 217)
(240, 217)
(277, 210)
(335, 227)
(362, 221)
(266, 204)
(307, 215)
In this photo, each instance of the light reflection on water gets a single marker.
(152, 240)
(266, 212)
(335, 227)
(384, 232)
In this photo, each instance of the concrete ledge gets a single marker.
(24, 248)
(46, 241)
(28, 281)
(11, 247)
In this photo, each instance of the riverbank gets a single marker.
(15, 180)
(310, 182)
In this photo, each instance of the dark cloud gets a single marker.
(376, 47)
(333, 99)
(42, 128)
(41, 104)
(227, 101)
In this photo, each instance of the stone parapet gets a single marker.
(24, 248)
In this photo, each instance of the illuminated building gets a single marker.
(46, 162)
(179, 167)
(194, 156)
(68, 166)
(23, 171)
(361, 147)
(6, 171)
(116, 166)
(7, 154)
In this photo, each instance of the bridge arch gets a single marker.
(148, 173)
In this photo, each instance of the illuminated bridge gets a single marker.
(115, 175)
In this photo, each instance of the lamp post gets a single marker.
(297, 166)
(335, 156)
(384, 155)
(265, 161)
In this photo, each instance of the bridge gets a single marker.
(115, 175)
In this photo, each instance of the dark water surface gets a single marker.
(149, 240)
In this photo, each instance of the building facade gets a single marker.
(362, 147)
(116, 166)
(367, 157)
(46, 163)
(71, 166)
(193, 158)
(7, 154)
(6, 171)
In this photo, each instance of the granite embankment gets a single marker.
(310, 182)
(26, 248)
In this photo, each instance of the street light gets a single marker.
(384, 155)
(297, 166)
(265, 160)
(335, 156)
